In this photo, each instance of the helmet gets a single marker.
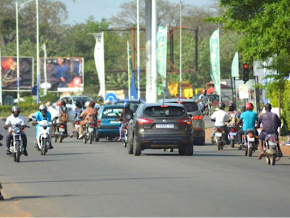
(79, 104)
(126, 105)
(87, 104)
(15, 108)
(249, 106)
(59, 103)
(92, 104)
(221, 106)
(42, 107)
(48, 104)
(232, 107)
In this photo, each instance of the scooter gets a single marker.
(60, 132)
(124, 135)
(232, 135)
(219, 138)
(249, 142)
(90, 134)
(271, 154)
(16, 146)
(44, 136)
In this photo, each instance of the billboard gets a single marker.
(64, 74)
(9, 72)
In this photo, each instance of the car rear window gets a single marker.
(190, 106)
(112, 112)
(164, 111)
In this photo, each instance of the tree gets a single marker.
(265, 27)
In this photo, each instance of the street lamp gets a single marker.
(18, 7)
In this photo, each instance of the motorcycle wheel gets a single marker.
(232, 143)
(91, 138)
(267, 160)
(18, 151)
(78, 135)
(85, 139)
(43, 148)
(55, 138)
(219, 144)
(246, 152)
(273, 160)
(125, 143)
(60, 139)
(250, 152)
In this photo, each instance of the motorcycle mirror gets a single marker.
(30, 119)
(4, 119)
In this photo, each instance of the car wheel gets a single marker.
(199, 141)
(136, 147)
(182, 150)
(189, 150)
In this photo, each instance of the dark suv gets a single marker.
(160, 126)
(194, 111)
(134, 103)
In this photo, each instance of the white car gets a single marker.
(71, 104)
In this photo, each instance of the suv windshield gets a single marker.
(164, 111)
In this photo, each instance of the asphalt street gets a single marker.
(101, 179)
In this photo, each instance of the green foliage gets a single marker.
(265, 26)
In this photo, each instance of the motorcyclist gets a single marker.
(270, 124)
(63, 117)
(249, 118)
(126, 115)
(233, 115)
(220, 117)
(88, 115)
(12, 120)
(40, 115)
(54, 113)
(78, 111)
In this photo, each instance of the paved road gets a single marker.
(103, 180)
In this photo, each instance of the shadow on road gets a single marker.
(16, 198)
(31, 161)
(60, 154)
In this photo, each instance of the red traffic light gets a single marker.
(245, 66)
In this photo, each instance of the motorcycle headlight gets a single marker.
(44, 127)
(17, 130)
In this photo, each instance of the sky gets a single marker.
(80, 10)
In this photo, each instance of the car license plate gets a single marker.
(218, 134)
(114, 121)
(165, 126)
(77, 126)
(61, 129)
(91, 129)
(233, 133)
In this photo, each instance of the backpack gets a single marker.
(63, 115)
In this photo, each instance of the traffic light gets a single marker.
(245, 72)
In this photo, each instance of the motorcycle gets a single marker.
(219, 138)
(249, 142)
(124, 134)
(271, 154)
(232, 135)
(90, 134)
(77, 127)
(44, 136)
(16, 146)
(60, 133)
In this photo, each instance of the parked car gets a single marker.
(194, 111)
(108, 123)
(71, 104)
(134, 103)
(160, 126)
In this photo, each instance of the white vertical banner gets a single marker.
(100, 61)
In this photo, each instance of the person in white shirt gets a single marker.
(12, 120)
(220, 117)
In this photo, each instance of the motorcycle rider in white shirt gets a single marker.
(12, 120)
(220, 117)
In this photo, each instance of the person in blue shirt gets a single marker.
(249, 118)
(61, 72)
(40, 115)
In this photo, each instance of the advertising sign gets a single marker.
(64, 74)
(9, 73)
(100, 61)
(161, 53)
(241, 93)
